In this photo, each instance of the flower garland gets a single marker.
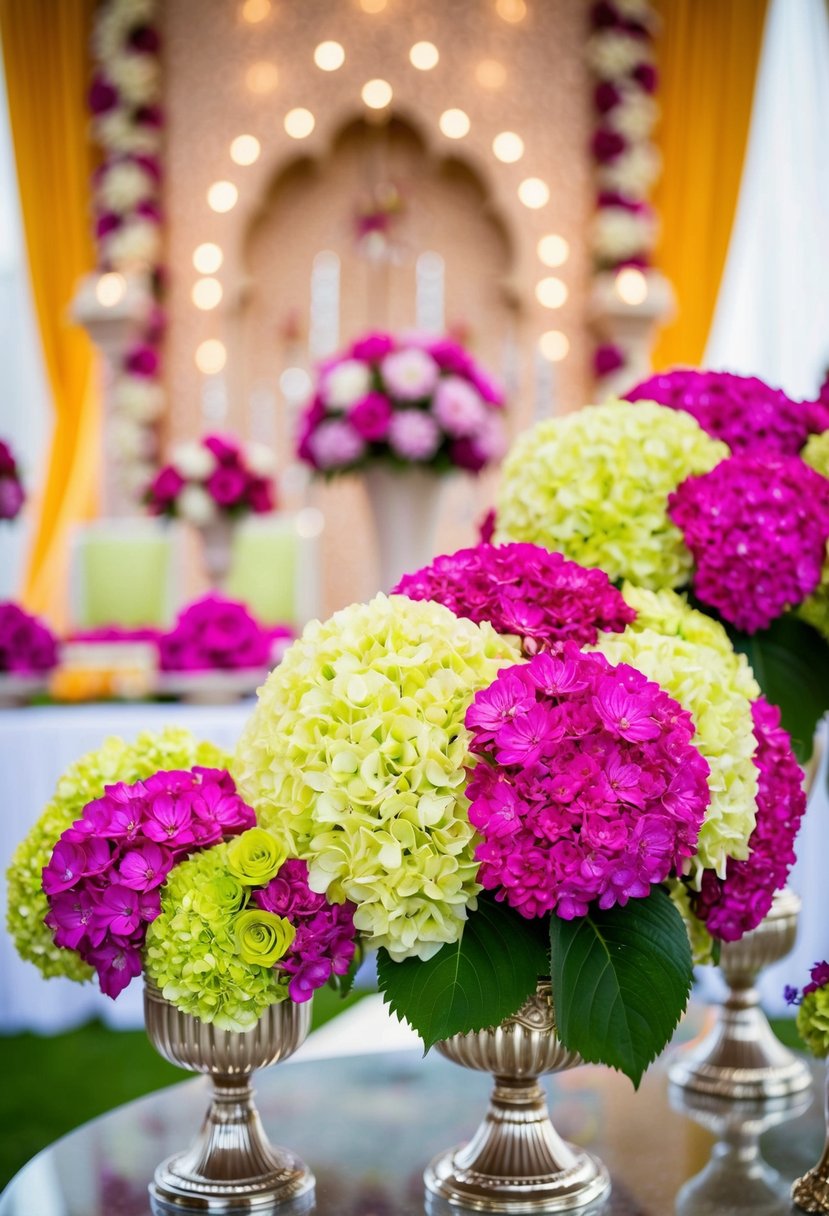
(127, 122)
(620, 53)
(12, 494)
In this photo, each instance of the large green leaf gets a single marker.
(621, 980)
(791, 663)
(470, 984)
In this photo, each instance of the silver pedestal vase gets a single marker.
(516, 1161)
(217, 550)
(230, 1167)
(741, 1057)
(811, 1192)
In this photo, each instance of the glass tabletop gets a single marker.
(368, 1125)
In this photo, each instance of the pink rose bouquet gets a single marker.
(27, 645)
(12, 494)
(215, 634)
(411, 400)
(216, 477)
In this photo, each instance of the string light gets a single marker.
(534, 193)
(490, 74)
(553, 250)
(454, 124)
(222, 196)
(262, 77)
(631, 286)
(377, 94)
(508, 147)
(207, 258)
(554, 345)
(299, 123)
(512, 11)
(110, 289)
(551, 292)
(206, 294)
(424, 56)
(254, 11)
(329, 56)
(372, 6)
(211, 356)
(245, 149)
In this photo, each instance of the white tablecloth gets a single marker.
(36, 745)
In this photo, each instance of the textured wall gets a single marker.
(300, 197)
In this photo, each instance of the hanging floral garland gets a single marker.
(127, 123)
(621, 56)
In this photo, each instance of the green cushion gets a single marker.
(125, 581)
(264, 572)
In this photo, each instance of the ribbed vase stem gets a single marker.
(811, 1192)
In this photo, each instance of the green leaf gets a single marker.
(470, 984)
(620, 981)
(791, 663)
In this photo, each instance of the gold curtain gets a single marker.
(46, 56)
(708, 51)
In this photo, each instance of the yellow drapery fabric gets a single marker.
(46, 57)
(708, 51)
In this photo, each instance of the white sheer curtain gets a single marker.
(24, 394)
(772, 315)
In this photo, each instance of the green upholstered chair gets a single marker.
(125, 572)
(275, 566)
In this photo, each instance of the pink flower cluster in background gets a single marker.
(215, 634)
(215, 476)
(588, 785)
(27, 645)
(523, 589)
(325, 935)
(743, 411)
(757, 526)
(736, 904)
(413, 400)
(103, 878)
(12, 494)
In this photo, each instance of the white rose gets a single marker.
(635, 115)
(633, 173)
(196, 506)
(130, 439)
(193, 461)
(636, 10)
(345, 384)
(133, 246)
(618, 233)
(123, 185)
(117, 132)
(259, 459)
(612, 54)
(139, 398)
(137, 77)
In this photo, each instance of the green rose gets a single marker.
(255, 857)
(222, 895)
(262, 937)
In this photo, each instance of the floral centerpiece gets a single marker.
(12, 494)
(644, 493)
(218, 634)
(27, 645)
(212, 478)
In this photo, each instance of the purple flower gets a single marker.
(27, 646)
(607, 359)
(414, 435)
(224, 448)
(335, 444)
(410, 374)
(65, 868)
(144, 868)
(12, 497)
(142, 360)
(458, 407)
(371, 417)
(118, 910)
(165, 489)
(373, 347)
(116, 966)
(607, 145)
(227, 485)
(103, 95)
(623, 713)
(215, 633)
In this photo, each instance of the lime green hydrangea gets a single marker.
(813, 1021)
(82, 782)
(355, 758)
(200, 949)
(595, 485)
(702, 943)
(716, 686)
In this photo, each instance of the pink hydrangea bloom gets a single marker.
(335, 444)
(757, 526)
(27, 645)
(325, 935)
(414, 435)
(588, 786)
(733, 905)
(409, 374)
(743, 411)
(523, 589)
(458, 407)
(102, 880)
(214, 634)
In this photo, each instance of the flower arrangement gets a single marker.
(124, 100)
(813, 1014)
(27, 646)
(409, 400)
(12, 494)
(216, 477)
(655, 500)
(743, 411)
(216, 634)
(524, 590)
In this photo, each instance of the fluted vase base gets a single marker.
(517, 1162)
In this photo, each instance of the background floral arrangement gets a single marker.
(409, 400)
(27, 645)
(620, 54)
(216, 634)
(12, 494)
(124, 100)
(650, 497)
(213, 478)
(813, 1014)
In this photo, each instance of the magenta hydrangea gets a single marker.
(215, 633)
(325, 934)
(757, 526)
(103, 878)
(588, 786)
(12, 494)
(733, 905)
(523, 589)
(742, 411)
(27, 646)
